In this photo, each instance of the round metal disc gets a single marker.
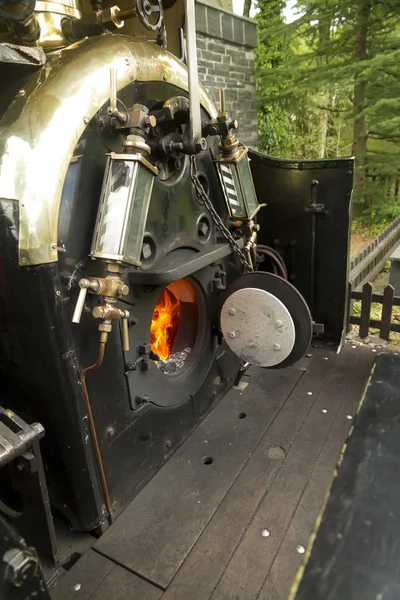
(257, 327)
(293, 301)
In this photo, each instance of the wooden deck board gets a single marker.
(94, 577)
(159, 528)
(195, 530)
(278, 583)
(207, 561)
(246, 573)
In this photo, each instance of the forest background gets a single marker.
(328, 85)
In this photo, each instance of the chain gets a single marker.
(215, 216)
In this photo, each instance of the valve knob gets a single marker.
(79, 305)
(84, 284)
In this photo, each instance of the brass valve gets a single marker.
(111, 288)
(108, 313)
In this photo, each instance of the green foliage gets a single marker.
(328, 85)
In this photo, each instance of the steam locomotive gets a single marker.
(147, 257)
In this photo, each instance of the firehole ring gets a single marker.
(175, 326)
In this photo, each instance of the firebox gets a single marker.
(174, 326)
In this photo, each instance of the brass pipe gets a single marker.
(92, 428)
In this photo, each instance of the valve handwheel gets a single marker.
(150, 13)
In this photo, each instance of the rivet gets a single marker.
(232, 334)
(232, 311)
(110, 431)
(265, 532)
(277, 347)
(58, 293)
(86, 120)
(54, 246)
(278, 324)
(349, 417)
(77, 587)
(325, 358)
(23, 260)
(373, 350)
(324, 411)
(300, 549)
(309, 393)
(354, 347)
(308, 355)
(164, 78)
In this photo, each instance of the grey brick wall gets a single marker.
(225, 47)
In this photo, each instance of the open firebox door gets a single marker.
(265, 320)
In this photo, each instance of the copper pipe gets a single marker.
(92, 427)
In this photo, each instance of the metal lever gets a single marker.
(85, 285)
(125, 333)
(79, 305)
(222, 101)
(112, 110)
(196, 141)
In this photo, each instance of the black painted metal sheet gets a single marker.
(313, 238)
(356, 550)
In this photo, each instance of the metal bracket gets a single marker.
(318, 328)
(20, 454)
(314, 208)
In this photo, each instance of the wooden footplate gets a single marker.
(354, 551)
(229, 515)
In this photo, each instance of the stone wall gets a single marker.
(226, 45)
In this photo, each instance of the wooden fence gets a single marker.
(370, 261)
(365, 322)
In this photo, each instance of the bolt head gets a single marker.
(232, 335)
(265, 532)
(123, 290)
(98, 312)
(203, 228)
(146, 250)
(19, 566)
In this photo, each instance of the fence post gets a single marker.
(366, 302)
(387, 306)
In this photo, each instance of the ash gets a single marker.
(174, 362)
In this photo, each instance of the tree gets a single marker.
(339, 85)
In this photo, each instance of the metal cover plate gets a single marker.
(257, 327)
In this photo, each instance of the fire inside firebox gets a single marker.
(174, 326)
(165, 324)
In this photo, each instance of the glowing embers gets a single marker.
(165, 323)
(174, 326)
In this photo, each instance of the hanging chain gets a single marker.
(215, 216)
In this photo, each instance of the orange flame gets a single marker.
(165, 323)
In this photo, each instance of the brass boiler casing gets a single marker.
(49, 15)
(43, 124)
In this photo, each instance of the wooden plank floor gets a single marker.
(225, 518)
